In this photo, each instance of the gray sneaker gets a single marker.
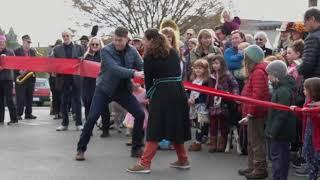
(79, 128)
(62, 128)
(302, 172)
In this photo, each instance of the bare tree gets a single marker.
(138, 15)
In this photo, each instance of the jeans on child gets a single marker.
(309, 153)
(280, 153)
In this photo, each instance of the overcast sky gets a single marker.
(44, 20)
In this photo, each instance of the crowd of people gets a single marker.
(160, 112)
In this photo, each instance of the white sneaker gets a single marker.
(62, 128)
(79, 128)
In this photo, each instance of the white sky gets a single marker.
(44, 20)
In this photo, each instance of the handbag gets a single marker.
(216, 108)
(202, 113)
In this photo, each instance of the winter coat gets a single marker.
(310, 66)
(6, 74)
(256, 87)
(198, 53)
(233, 58)
(281, 125)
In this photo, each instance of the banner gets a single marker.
(86, 68)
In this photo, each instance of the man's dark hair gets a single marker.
(121, 32)
(222, 29)
(312, 12)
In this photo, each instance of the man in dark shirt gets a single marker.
(6, 86)
(24, 90)
(69, 84)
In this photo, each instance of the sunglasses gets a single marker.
(95, 45)
(259, 39)
(29, 42)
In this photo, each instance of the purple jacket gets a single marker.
(228, 85)
(233, 25)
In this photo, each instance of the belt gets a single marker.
(156, 82)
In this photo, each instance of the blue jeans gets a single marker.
(280, 159)
(99, 104)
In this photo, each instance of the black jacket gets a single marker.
(310, 66)
(59, 52)
(6, 74)
(20, 52)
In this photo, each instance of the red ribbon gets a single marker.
(51, 65)
(91, 69)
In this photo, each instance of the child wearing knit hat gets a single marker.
(256, 87)
(281, 125)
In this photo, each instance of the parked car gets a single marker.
(41, 92)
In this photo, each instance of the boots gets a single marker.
(221, 144)
(213, 144)
(257, 174)
(195, 147)
(105, 133)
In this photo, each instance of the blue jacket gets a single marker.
(111, 71)
(233, 58)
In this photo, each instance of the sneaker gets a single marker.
(19, 118)
(30, 117)
(298, 162)
(80, 156)
(302, 172)
(138, 169)
(57, 116)
(62, 128)
(12, 123)
(243, 172)
(180, 165)
(79, 128)
(129, 143)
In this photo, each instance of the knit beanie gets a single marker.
(277, 69)
(254, 53)
(2, 38)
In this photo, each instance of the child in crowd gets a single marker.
(229, 23)
(219, 110)
(236, 113)
(256, 87)
(198, 102)
(140, 94)
(281, 125)
(311, 127)
(293, 57)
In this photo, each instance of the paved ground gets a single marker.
(34, 150)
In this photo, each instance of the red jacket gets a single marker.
(315, 119)
(256, 87)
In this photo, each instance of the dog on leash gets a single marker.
(233, 140)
